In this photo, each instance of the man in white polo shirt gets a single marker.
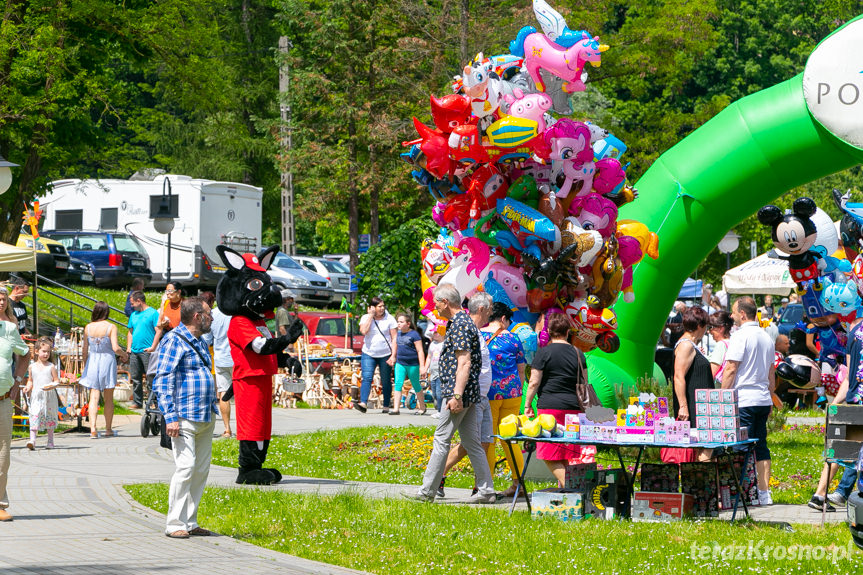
(749, 370)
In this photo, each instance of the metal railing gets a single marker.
(73, 305)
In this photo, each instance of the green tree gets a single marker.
(73, 82)
(391, 269)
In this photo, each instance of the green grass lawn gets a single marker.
(400, 454)
(402, 537)
(377, 454)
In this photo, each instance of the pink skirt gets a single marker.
(560, 451)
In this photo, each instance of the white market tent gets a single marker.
(763, 275)
(13, 259)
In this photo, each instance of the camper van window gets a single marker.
(109, 219)
(69, 219)
(92, 242)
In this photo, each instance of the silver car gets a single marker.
(338, 273)
(309, 287)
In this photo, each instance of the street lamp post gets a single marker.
(164, 221)
(729, 243)
(5, 174)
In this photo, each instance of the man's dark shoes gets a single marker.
(359, 407)
(817, 503)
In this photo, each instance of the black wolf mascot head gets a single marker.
(246, 289)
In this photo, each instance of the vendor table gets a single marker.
(720, 450)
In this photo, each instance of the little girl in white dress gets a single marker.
(43, 398)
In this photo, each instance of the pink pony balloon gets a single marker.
(594, 212)
(469, 268)
(571, 152)
(567, 64)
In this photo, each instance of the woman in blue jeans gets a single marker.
(379, 351)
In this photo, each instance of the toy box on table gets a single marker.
(648, 506)
(717, 418)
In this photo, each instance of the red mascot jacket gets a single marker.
(253, 379)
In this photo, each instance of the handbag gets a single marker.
(587, 396)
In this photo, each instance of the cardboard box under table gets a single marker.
(660, 506)
(722, 450)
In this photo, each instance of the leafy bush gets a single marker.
(391, 268)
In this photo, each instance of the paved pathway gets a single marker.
(73, 516)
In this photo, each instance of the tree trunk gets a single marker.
(374, 196)
(354, 200)
(463, 32)
(374, 172)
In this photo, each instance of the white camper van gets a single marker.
(206, 213)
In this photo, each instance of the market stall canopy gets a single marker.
(763, 275)
(691, 289)
(14, 259)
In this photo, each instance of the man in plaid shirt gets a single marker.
(187, 398)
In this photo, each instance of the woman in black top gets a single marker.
(691, 368)
(554, 373)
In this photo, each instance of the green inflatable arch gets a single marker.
(749, 154)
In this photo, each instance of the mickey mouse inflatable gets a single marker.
(247, 294)
(794, 233)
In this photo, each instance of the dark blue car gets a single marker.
(792, 314)
(115, 258)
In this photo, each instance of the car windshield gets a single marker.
(285, 261)
(335, 267)
(128, 244)
(792, 314)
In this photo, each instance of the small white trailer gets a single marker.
(207, 213)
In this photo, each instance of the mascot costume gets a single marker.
(247, 294)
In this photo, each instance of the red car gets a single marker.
(327, 327)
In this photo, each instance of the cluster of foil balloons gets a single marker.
(828, 284)
(527, 200)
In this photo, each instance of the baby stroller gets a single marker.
(152, 419)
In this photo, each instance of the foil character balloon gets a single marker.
(541, 53)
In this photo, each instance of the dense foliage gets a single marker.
(391, 268)
(96, 89)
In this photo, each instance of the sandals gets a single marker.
(395, 412)
(109, 434)
(94, 435)
(227, 434)
(420, 412)
(359, 407)
(179, 534)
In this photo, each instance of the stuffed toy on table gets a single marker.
(247, 294)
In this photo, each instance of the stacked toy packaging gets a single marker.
(717, 418)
